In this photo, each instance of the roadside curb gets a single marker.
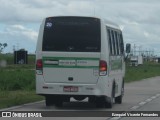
(19, 106)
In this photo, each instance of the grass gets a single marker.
(17, 85)
(17, 82)
(146, 70)
(12, 98)
(18, 78)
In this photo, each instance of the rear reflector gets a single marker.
(103, 68)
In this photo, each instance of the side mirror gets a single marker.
(128, 48)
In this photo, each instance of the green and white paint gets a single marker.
(70, 62)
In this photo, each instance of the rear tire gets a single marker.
(48, 101)
(119, 98)
(109, 101)
(100, 102)
(59, 102)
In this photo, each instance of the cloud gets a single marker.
(36, 10)
(22, 32)
(20, 36)
(142, 11)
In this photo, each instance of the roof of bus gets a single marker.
(111, 24)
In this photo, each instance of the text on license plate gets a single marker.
(70, 89)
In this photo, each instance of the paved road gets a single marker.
(153, 105)
(139, 96)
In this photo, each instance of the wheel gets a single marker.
(100, 102)
(58, 102)
(119, 98)
(48, 100)
(109, 101)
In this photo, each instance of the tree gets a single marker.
(2, 46)
(5, 45)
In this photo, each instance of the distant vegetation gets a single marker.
(10, 59)
(147, 70)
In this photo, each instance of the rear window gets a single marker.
(72, 34)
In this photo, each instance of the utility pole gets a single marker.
(134, 49)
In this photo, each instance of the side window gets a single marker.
(116, 41)
(121, 44)
(110, 41)
(116, 44)
(113, 42)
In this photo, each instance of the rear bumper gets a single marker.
(99, 89)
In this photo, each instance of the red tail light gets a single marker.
(39, 64)
(39, 67)
(103, 68)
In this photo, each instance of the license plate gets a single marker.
(70, 89)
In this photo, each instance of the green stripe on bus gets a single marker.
(53, 66)
(69, 58)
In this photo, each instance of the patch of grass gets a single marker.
(17, 85)
(17, 82)
(12, 98)
(17, 79)
(146, 70)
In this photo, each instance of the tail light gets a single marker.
(39, 66)
(102, 68)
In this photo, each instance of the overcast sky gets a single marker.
(139, 19)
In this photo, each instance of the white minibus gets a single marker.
(80, 57)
